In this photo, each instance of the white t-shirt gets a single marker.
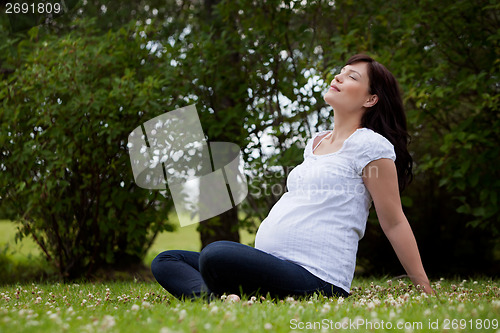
(318, 223)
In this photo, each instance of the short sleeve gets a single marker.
(375, 147)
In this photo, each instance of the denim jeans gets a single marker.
(234, 268)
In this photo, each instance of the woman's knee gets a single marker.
(162, 259)
(216, 256)
(216, 251)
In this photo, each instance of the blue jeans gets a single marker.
(234, 268)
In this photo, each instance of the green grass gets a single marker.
(376, 305)
(146, 307)
(20, 251)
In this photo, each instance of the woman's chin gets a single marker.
(329, 99)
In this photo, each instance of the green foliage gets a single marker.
(66, 114)
(453, 100)
(257, 71)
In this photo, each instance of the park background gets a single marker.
(75, 85)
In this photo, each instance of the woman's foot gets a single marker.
(232, 298)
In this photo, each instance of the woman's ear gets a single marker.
(371, 101)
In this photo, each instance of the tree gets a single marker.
(257, 70)
(66, 114)
(243, 62)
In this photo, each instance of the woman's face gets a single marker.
(350, 90)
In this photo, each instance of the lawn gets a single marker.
(376, 304)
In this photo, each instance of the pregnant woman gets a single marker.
(309, 240)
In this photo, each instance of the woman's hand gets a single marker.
(423, 285)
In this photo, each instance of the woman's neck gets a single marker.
(344, 127)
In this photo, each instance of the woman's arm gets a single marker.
(380, 178)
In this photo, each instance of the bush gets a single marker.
(66, 113)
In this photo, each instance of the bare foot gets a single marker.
(232, 298)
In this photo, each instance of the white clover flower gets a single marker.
(182, 314)
(146, 305)
(230, 316)
(108, 322)
(268, 326)
(135, 307)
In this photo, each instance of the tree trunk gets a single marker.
(225, 225)
(222, 227)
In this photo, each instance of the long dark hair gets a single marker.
(387, 116)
